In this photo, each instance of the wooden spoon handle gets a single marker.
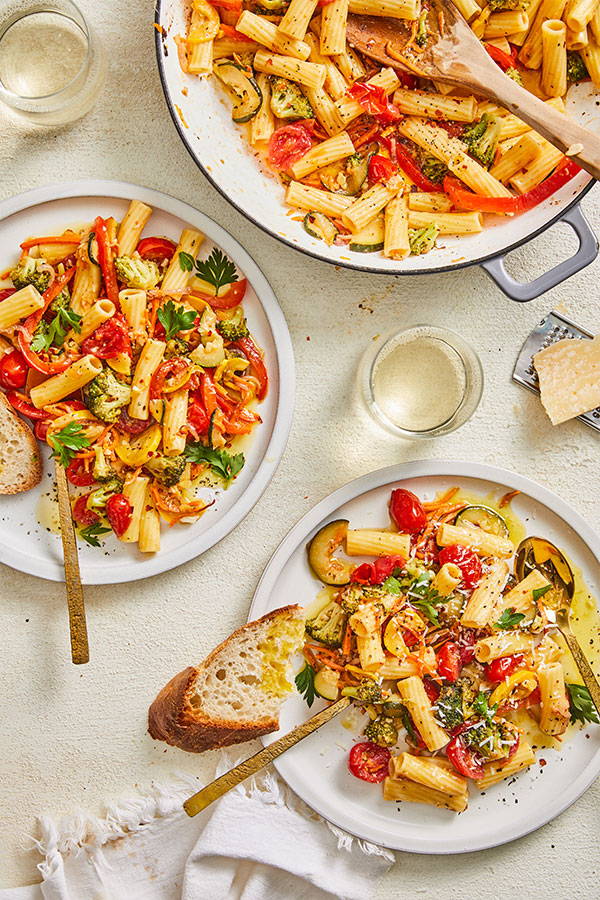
(239, 773)
(578, 143)
(585, 670)
(80, 652)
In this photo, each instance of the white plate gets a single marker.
(316, 769)
(202, 115)
(24, 543)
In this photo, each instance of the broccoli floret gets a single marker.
(515, 75)
(29, 271)
(382, 731)
(166, 469)
(490, 739)
(576, 68)
(328, 625)
(497, 5)
(234, 328)
(102, 471)
(288, 101)
(422, 240)
(482, 139)
(422, 30)
(106, 395)
(351, 598)
(432, 168)
(136, 272)
(366, 691)
(455, 702)
(61, 301)
(176, 347)
(98, 498)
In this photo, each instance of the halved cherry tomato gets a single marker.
(407, 511)
(374, 100)
(108, 340)
(257, 365)
(156, 248)
(449, 662)
(467, 561)
(170, 368)
(466, 644)
(377, 572)
(22, 405)
(6, 292)
(431, 689)
(78, 474)
(289, 144)
(499, 669)
(82, 515)
(118, 512)
(233, 297)
(13, 371)
(129, 425)
(381, 168)
(463, 758)
(369, 761)
(196, 414)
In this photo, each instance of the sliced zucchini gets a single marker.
(274, 5)
(485, 518)
(320, 553)
(370, 238)
(393, 708)
(242, 87)
(288, 101)
(319, 226)
(357, 169)
(326, 683)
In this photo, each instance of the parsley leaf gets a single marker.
(186, 262)
(175, 318)
(481, 706)
(581, 704)
(66, 442)
(509, 619)
(91, 532)
(225, 464)
(218, 270)
(392, 585)
(424, 598)
(53, 333)
(305, 683)
(539, 592)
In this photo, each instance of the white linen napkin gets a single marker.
(260, 842)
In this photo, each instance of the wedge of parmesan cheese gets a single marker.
(569, 376)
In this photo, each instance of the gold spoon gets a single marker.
(454, 55)
(80, 652)
(539, 553)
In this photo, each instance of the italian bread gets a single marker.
(20, 463)
(235, 694)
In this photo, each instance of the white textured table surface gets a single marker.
(76, 736)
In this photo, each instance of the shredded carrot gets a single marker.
(309, 656)
(69, 237)
(506, 499)
(347, 641)
(364, 138)
(441, 501)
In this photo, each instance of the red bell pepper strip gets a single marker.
(410, 167)
(157, 248)
(209, 394)
(504, 60)
(22, 405)
(380, 169)
(26, 330)
(464, 199)
(106, 260)
(254, 357)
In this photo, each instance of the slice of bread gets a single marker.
(20, 462)
(236, 693)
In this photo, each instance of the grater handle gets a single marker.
(524, 291)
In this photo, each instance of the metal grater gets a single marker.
(552, 328)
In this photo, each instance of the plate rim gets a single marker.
(313, 254)
(122, 190)
(350, 491)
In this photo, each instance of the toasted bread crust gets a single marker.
(31, 451)
(174, 719)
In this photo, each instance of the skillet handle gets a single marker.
(524, 291)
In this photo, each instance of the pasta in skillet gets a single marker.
(378, 158)
(133, 358)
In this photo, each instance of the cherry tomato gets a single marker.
(449, 661)
(407, 512)
(129, 425)
(369, 761)
(466, 645)
(374, 101)
(170, 368)
(82, 515)
(232, 298)
(363, 574)
(118, 512)
(78, 474)
(22, 405)
(6, 292)
(108, 340)
(499, 669)
(465, 761)
(13, 371)
(156, 248)
(288, 144)
(467, 561)
(381, 168)
(431, 689)
(377, 572)
(197, 416)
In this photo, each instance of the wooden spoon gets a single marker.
(454, 55)
(80, 652)
(195, 804)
